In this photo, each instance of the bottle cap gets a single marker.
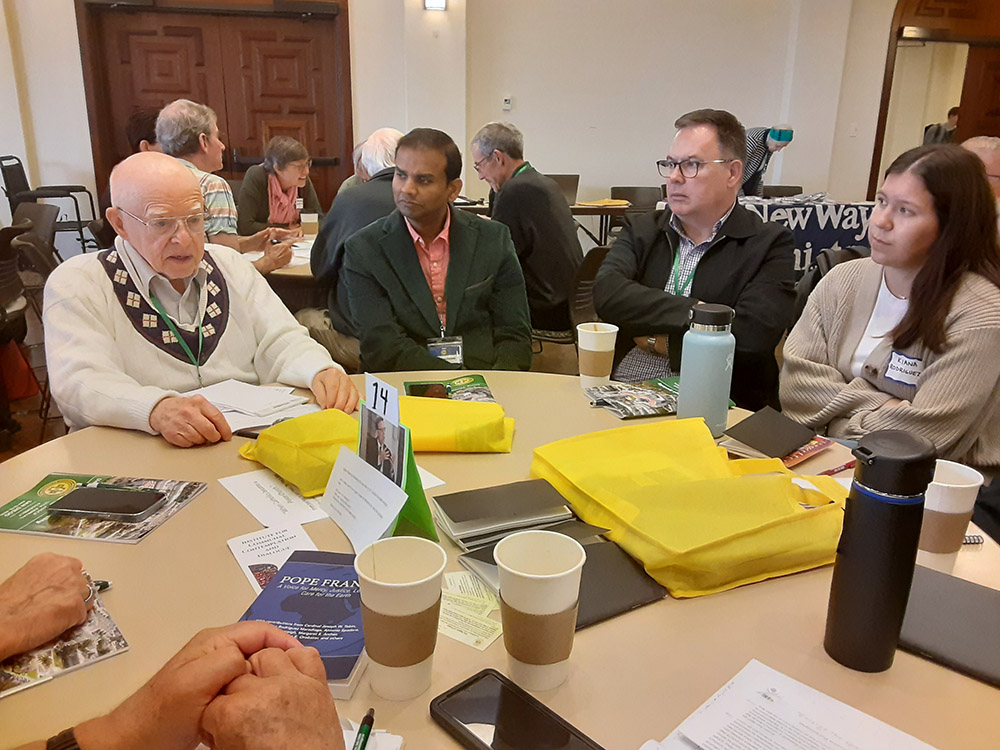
(895, 462)
(708, 314)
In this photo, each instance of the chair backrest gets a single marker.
(569, 184)
(10, 280)
(43, 218)
(14, 179)
(822, 263)
(643, 199)
(581, 308)
(34, 260)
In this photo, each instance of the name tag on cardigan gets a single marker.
(299, 203)
(903, 369)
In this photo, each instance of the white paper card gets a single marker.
(428, 480)
(271, 501)
(261, 553)
(382, 398)
(361, 500)
(239, 421)
(761, 707)
(246, 398)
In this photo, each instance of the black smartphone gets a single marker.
(489, 712)
(109, 503)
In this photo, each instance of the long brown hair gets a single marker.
(966, 242)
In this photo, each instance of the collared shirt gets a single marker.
(220, 207)
(184, 308)
(640, 364)
(434, 263)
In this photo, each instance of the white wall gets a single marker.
(860, 96)
(11, 128)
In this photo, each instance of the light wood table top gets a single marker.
(632, 678)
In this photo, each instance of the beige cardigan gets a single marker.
(955, 401)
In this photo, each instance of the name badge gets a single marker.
(299, 204)
(903, 369)
(449, 349)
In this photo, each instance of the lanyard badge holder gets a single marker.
(448, 348)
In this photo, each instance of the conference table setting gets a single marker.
(741, 624)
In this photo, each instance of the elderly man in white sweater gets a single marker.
(127, 331)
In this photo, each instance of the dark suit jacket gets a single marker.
(253, 208)
(352, 210)
(395, 314)
(544, 234)
(750, 267)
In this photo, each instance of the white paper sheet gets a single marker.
(269, 548)
(760, 707)
(428, 480)
(246, 398)
(271, 501)
(361, 500)
(239, 421)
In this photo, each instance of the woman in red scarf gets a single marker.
(276, 192)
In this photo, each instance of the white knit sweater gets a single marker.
(104, 372)
(955, 402)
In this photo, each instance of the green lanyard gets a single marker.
(521, 168)
(677, 272)
(173, 329)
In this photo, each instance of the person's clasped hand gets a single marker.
(334, 389)
(167, 712)
(45, 597)
(189, 420)
(283, 703)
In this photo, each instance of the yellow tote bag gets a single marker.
(302, 451)
(443, 425)
(697, 521)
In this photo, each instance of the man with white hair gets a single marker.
(987, 148)
(351, 211)
(129, 330)
(533, 207)
(190, 132)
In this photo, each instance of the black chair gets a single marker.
(581, 306)
(13, 324)
(642, 200)
(823, 261)
(17, 190)
(43, 218)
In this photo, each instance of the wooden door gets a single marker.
(263, 76)
(282, 78)
(980, 106)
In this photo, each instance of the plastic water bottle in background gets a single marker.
(707, 366)
(878, 549)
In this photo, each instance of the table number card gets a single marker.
(382, 398)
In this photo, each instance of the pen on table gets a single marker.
(101, 586)
(838, 469)
(365, 730)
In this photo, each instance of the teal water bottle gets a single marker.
(707, 366)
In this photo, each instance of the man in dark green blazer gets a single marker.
(428, 275)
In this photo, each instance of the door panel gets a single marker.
(980, 106)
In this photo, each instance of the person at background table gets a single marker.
(427, 271)
(130, 329)
(541, 226)
(275, 192)
(248, 686)
(41, 600)
(140, 132)
(359, 175)
(942, 132)
(705, 248)
(987, 148)
(908, 339)
(190, 132)
(762, 144)
(351, 210)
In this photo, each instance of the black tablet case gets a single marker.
(953, 622)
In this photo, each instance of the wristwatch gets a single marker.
(651, 343)
(65, 740)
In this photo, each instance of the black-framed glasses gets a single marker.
(302, 165)
(478, 165)
(167, 226)
(689, 167)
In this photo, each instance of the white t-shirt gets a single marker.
(889, 310)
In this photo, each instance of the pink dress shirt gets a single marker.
(434, 263)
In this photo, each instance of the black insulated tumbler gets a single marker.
(878, 549)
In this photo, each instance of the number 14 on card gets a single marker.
(382, 398)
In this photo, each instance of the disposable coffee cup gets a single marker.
(596, 346)
(400, 581)
(310, 224)
(948, 506)
(539, 592)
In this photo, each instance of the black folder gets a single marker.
(953, 622)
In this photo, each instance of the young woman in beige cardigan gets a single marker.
(910, 339)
